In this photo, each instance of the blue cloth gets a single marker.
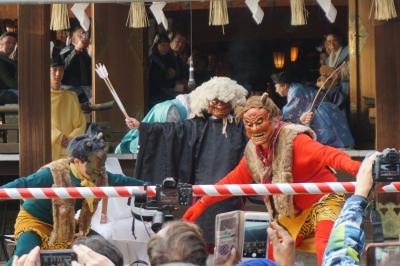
(129, 143)
(258, 262)
(329, 123)
(347, 239)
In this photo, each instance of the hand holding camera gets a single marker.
(364, 176)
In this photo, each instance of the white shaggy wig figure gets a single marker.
(221, 88)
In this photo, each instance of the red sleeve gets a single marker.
(329, 156)
(239, 175)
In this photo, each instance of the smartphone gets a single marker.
(57, 257)
(378, 253)
(255, 235)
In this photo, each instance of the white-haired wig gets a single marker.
(221, 88)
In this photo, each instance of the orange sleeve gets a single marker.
(329, 156)
(239, 175)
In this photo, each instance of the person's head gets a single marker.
(161, 45)
(89, 154)
(178, 43)
(56, 72)
(259, 114)
(80, 37)
(102, 246)
(282, 83)
(218, 97)
(177, 242)
(62, 35)
(322, 58)
(10, 25)
(333, 42)
(8, 40)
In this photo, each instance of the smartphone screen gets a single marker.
(255, 238)
(62, 257)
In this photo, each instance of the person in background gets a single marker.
(338, 55)
(180, 54)
(10, 25)
(67, 118)
(322, 58)
(8, 69)
(175, 110)
(163, 72)
(327, 121)
(78, 65)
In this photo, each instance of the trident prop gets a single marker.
(103, 74)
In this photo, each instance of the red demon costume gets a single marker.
(287, 153)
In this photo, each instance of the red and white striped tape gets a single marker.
(198, 190)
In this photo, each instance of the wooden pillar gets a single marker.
(362, 70)
(122, 51)
(34, 87)
(387, 57)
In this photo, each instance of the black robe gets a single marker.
(194, 151)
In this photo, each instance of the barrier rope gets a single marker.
(198, 190)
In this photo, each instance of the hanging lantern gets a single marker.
(279, 60)
(294, 53)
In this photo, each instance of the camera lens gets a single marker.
(158, 220)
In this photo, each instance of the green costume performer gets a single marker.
(51, 224)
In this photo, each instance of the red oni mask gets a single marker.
(258, 126)
(219, 109)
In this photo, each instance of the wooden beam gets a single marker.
(196, 5)
(34, 87)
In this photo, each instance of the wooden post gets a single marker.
(34, 87)
(387, 57)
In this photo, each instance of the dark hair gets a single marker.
(178, 241)
(336, 34)
(282, 77)
(83, 146)
(10, 34)
(100, 245)
(159, 38)
(9, 23)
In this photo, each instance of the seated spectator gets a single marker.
(67, 118)
(8, 69)
(328, 122)
(177, 242)
(347, 239)
(100, 245)
(78, 65)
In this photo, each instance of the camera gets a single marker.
(386, 167)
(169, 195)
